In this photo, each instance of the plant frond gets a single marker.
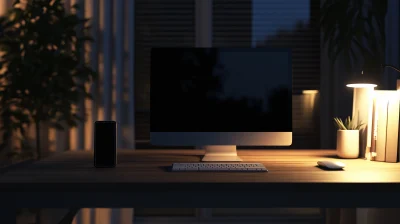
(347, 124)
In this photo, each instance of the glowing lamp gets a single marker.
(363, 86)
(311, 91)
(362, 81)
(362, 105)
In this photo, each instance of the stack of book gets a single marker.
(385, 145)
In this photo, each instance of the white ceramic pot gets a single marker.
(347, 144)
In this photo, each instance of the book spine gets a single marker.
(398, 137)
(392, 127)
(382, 105)
(374, 130)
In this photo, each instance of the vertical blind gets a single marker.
(232, 23)
(270, 23)
(158, 23)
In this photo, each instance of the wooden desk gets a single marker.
(141, 179)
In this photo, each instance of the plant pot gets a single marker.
(347, 144)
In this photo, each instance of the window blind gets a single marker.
(276, 23)
(158, 23)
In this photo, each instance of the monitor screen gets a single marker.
(221, 90)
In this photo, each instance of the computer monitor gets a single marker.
(220, 98)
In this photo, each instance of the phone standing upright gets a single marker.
(105, 144)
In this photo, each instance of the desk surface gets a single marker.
(292, 173)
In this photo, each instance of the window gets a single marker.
(236, 23)
(277, 23)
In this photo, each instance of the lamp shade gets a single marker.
(361, 80)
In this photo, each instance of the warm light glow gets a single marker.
(310, 91)
(366, 176)
(389, 96)
(361, 85)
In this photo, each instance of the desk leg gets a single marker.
(8, 216)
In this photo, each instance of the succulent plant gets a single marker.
(348, 124)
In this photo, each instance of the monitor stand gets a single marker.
(221, 153)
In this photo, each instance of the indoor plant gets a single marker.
(357, 35)
(43, 71)
(348, 134)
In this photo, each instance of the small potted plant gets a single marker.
(348, 134)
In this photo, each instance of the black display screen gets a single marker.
(221, 90)
(105, 145)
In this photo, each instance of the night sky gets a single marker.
(253, 74)
(267, 16)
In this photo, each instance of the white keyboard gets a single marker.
(219, 167)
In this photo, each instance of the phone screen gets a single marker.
(105, 144)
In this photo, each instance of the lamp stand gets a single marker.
(362, 113)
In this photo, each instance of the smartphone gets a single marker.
(105, 144)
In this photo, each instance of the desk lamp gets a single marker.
(390, 66)
(363, 85)
(362, 105)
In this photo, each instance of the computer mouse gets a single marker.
(331, 165)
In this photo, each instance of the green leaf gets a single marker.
(352, 35)
(339, 124)
(42, 77)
